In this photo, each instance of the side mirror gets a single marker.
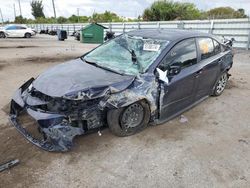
(174, 70)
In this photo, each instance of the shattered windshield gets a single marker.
(127, 54)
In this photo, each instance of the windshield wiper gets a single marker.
(102, 67)
(135, 60)
(132, 52)
(133, 57)
(123, 43)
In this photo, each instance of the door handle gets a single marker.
(198, 73)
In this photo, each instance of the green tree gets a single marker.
(45, 20)
(241, 13)
(107, 16)
(73, 19)
(225, 12)
(37, 9)
(20, 20)
(84, 19)
(168, 10)
(61, 20)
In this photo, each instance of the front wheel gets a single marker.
(220, 84)
(129, 120)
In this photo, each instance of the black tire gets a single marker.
(2, 35)
(27, 35)
(129, 120)
(220, 84)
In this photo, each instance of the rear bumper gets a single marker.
(58, 134)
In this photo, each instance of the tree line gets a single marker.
(161, 10)
(165, 10)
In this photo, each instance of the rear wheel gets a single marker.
(129, 120)
(27, 35)
(2, 35)
(220, 84)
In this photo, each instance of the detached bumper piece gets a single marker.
(58, 134)
(57, 137)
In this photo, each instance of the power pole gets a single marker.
(53, 3)
(1, 16)
(78, 14)
(14, 11)
(20, 8)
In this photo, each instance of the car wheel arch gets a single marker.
(215, 84)
(122, 100)
(145, 91)
(223, 69)
(27, 33)
(3, 33)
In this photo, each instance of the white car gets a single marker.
(16, 31)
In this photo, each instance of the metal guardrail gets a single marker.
(236, 28)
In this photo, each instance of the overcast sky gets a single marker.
(126, 8)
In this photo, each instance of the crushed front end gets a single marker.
(59, 119)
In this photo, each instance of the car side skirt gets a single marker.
(161, 121)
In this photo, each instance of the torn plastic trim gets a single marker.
(57, 137)
(18, 94)
(58, 134)
(39, 143)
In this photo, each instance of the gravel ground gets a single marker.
(211, 149)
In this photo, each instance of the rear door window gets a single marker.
(20, 27)
(206, 47)
(217, 47)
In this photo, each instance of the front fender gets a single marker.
(143, 88)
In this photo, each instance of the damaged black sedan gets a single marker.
(138, 78)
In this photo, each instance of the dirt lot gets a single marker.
(212, 149)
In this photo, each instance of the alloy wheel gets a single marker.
(222, 83)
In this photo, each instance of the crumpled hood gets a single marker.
(70, 78)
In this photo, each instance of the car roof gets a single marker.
(167, 34)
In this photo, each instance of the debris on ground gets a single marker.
(8, 165)
(99, 133)
(243, 141)
(183, 119)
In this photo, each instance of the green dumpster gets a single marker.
(92, 33)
